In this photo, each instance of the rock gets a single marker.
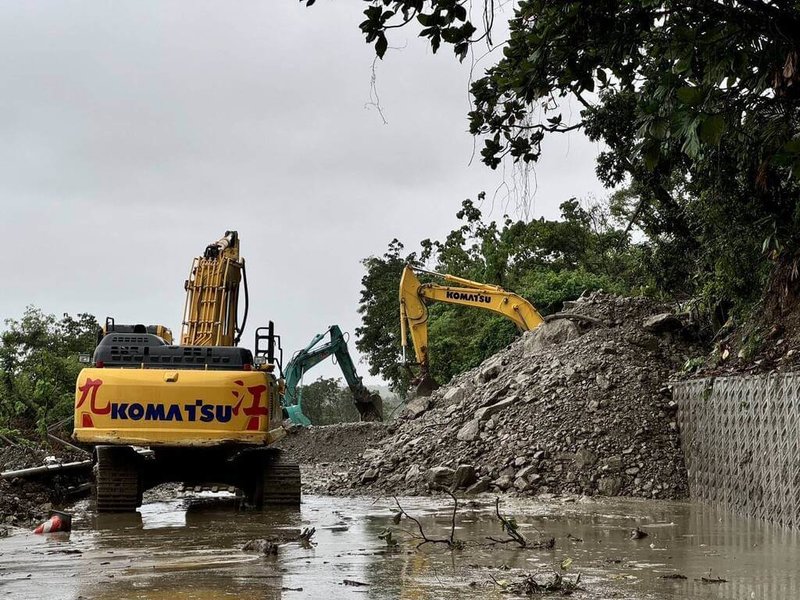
(369, 476)
(609, 486)
(483, 414)
(490, 369)
(503, 482)
(549, 334)
(417, 407)
(453, 396)
(521, 484)
(602, 382)
(662, 323)
(526, 472)
(464, 476)
(442, 476)
(585, 458)
(413, 473)
(470, 431)
(480, 486)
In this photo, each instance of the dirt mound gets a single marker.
(327, 453)
(576, 406)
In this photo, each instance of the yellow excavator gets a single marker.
(202, 412)
(415, 295)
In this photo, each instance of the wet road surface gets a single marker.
(181, 549)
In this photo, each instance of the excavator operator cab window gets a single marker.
(139, 328)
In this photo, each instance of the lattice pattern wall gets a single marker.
(741, 442)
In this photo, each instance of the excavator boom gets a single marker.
(415, 295)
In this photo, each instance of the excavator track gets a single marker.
(279, 483)
(118, 482)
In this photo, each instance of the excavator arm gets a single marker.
(369, 405)
(414, 297)
(210, 314)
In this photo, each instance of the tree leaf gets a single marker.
(691, 96)
(711, 129)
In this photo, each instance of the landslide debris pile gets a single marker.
(573, 407)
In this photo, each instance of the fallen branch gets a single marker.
(450, 541)
(510, 526)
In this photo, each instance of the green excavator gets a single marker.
(369, 405)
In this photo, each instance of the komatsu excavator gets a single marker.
(206, 409)
(369, 405)
(414, 297)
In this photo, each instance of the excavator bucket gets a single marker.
(425, 385)
(295, 414)
(371, 409)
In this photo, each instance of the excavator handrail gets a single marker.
(414, 296)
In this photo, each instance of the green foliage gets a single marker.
(696, 106)
(378, 337)
(546, 261)
(326, 402)
(39, 365)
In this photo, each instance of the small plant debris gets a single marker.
(261, 546)
(673, 576)
(555, 584)
(712, 580)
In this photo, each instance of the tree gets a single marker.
(39, 365)
(696, 103)
(326, 402)
(378, 337)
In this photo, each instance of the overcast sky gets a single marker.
(133, 133)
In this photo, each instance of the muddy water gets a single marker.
(178, 549)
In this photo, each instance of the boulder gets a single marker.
(440, 476)
(453, 396)
(416, 407)
(480, 486)
(609, 486)
(483, 414)
(470, 431)
(412, 473)
(662, 323)
(549, 334)
(464, 476)
(490, 369)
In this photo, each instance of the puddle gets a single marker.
(177, 549)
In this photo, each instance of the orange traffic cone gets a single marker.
(58, 521)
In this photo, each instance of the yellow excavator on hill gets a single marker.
(206, 409)
(415, 295)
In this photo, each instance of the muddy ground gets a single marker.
(181, 548)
